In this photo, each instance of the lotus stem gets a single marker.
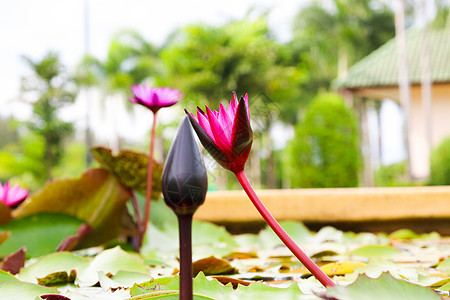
(281, 233)
(148, 196)
(185, 230)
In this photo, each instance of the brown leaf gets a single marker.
(96, 198)
(240, 255)
(255, 269)
(213, 266)
(131, 169)
(14, 262)
(234, 281)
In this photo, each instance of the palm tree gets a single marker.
(130, 60)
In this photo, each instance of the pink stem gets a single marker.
(287, 240)
(148, 197)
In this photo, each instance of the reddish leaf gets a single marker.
(54, 297)
(14, 262)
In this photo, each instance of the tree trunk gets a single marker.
(426, 84)
(403, 79)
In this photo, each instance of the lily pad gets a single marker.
(96, 198)
(5, 276)
(33, 231)
(17, 290)
(258, 290)
(444, 266)
(342, 267)
(52, 263)
(385, 287)
(111, 261)
(378, 251)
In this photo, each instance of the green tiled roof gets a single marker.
(380, 68)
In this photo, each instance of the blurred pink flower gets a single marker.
(226, 134)
(12, 195)
(155, 98)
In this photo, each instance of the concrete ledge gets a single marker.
(328, 206)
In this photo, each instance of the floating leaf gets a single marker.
(128, 278)
(372, 251)
(385, 287)
(53, 263)
(406, 234)
(38, 233)
(130, 168)
(257, 290)
(5, 276)
(112, 261)
(213, 266)
(96, 198)
(342, 267)
(444, 288)
(145, 288)
(17, 290)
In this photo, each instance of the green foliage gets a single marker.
(50, 89)
(21, 162)
(325, 149)
(440, 164)
(392, 175)
(130, 60)
(208, 62)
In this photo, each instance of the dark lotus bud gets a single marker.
(184, 180)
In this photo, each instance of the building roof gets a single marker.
(380, 68)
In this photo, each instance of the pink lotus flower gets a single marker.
(226, 134)
(228, 137)
(12, 195)
(155, 98)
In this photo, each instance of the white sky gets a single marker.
(33, 27)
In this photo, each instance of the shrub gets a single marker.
(440, 164)
(392, 175)
(325, 149)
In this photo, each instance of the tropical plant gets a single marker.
(49, 88)
(329, 36)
